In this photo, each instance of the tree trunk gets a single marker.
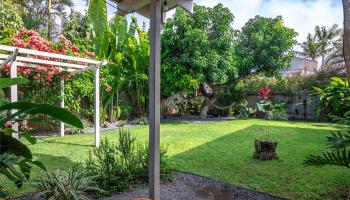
(49, 21)
(346, 7)
(323, 63)
(205, 109)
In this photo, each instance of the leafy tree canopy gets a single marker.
(204, 47)
(197, 48)
(10, 22)
(264, 45)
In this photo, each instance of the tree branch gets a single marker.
(226, 84)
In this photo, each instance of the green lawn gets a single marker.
(223, 151)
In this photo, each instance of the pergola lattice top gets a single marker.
(30, 58)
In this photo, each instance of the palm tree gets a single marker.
(346, 37)
(325, 38)
(336, 56)
(42, 14)
(310, 48)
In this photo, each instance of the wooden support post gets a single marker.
(154, 104)
(62, 106)
(97, 105)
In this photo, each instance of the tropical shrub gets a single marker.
(105, 163)
(334, 99)
(16, 159)
(277, 111)
(273, 110)
(289, 85)
(73, 184)
(117, 166)
(244, 111)
(189, 106)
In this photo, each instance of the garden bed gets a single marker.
(187, 187)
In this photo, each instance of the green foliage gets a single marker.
(10, 22)
(189, 106)
(244, 112)
(265, 45)
(46, 109)
(335, 98)
(16, 160)
(288, 85)
(197, 48)
(104, 163)
(310, 47)
(135, 62)
(339, 156)
(72, 184)
(117, 166)
(77, 27)
(97, 14)
(81, 86)
(277, 111)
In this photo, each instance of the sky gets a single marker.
(302, 15)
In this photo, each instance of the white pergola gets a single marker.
(155, 10)
(20, 57)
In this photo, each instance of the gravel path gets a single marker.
(191, 187)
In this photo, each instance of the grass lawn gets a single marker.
(223, 151)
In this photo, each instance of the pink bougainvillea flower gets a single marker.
(75, 48)
(8, 124)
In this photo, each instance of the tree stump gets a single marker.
(265, 150)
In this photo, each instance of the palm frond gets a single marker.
(338, 140)
(338, 157)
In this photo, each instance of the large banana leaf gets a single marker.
(118, 26)
(8, 144)
(7, 82)
(97, 14)
(46, 109)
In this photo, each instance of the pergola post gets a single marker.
(97, 105)
(154, 104)
(14, 97)
(14, 89)
(62, 106)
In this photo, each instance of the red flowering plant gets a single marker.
(44, 80)
(264, 97)
(264, 93)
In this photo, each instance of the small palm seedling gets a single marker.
(72, 184)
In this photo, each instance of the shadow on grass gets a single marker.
(52, 162)
(229, 158)
(68, 143)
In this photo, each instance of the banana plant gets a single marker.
(16, 159)
(136, 61)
